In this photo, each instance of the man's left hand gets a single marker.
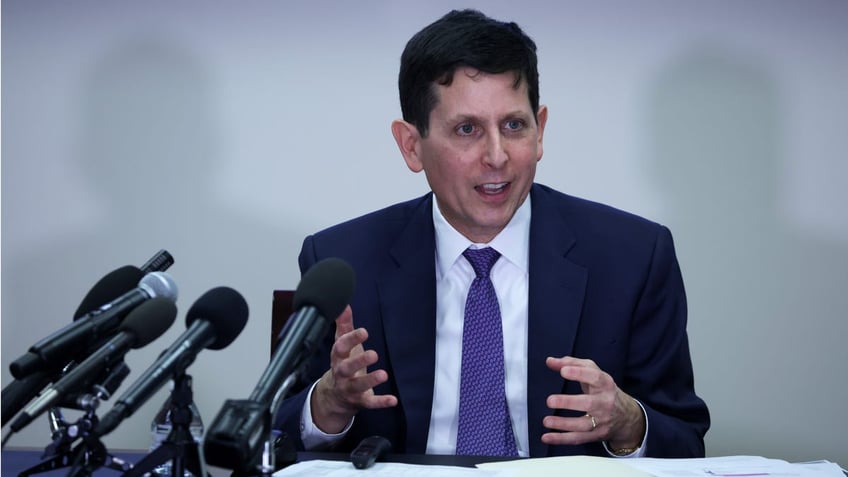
(610, 414)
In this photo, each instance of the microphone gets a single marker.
(233, 440)
(113, 285)
(319, 299)
(142, 325)
(21, 391)
(159, 262)
(121, 281)
(213, 322)
(58, 348)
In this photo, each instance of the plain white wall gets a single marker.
(225, 132)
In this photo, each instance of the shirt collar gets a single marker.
(513, 242)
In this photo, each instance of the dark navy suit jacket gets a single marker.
(603, 284)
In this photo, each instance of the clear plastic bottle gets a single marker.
(160, 428)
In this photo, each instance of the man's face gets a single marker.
(481, 152)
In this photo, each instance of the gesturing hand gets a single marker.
(347, 387)
(611, 414)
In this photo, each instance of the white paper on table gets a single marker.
(339, 468)
(730, 466)
(733, 466)
(571, 466)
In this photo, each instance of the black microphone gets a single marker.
(62, 345)
(113, 285)
(142, 325)
(121, 281)
(159, 262)
(213, 322)
(233, 440)
(320, 298)
(20, 391)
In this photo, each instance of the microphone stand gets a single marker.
(179, 447)
(280, 446)
(90, 454)
(84, 459)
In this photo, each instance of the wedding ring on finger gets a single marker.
(592, 418)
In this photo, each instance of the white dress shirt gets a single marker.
(453, 279)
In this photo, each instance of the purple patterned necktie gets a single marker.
(484, 423)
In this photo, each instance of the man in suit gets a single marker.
(591, 353)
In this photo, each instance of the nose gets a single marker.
(495, 154)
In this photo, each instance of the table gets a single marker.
(16, 460)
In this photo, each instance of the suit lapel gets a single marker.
(557, 287)
(408, 304)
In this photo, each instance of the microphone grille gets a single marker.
(159, 284)
(159, 262)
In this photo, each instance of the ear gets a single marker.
(408, 140)
(541, 120)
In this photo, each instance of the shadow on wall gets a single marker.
(767, 304)
(149, 146)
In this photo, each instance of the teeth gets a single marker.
(493, 187)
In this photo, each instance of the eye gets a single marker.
(514, 125)
(465, 129)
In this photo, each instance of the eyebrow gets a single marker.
(460, 118)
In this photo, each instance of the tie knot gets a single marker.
(481, 259)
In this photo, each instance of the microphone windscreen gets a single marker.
(328, 286)
(111, 286)
(150, 320)
(225, 309)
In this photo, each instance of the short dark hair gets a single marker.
(462, 38)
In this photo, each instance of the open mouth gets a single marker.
(492, 189)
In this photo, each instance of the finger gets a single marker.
(571, 430)
(360, 390)
(355, 364)
(591, 376)
(380, 401)
(344, 323)
(570, 424)
(557, 363)
(362, 383)
(554, 364)
(569, 438)
(572, 402)
(346, 343)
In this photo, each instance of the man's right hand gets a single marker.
(347, 386)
